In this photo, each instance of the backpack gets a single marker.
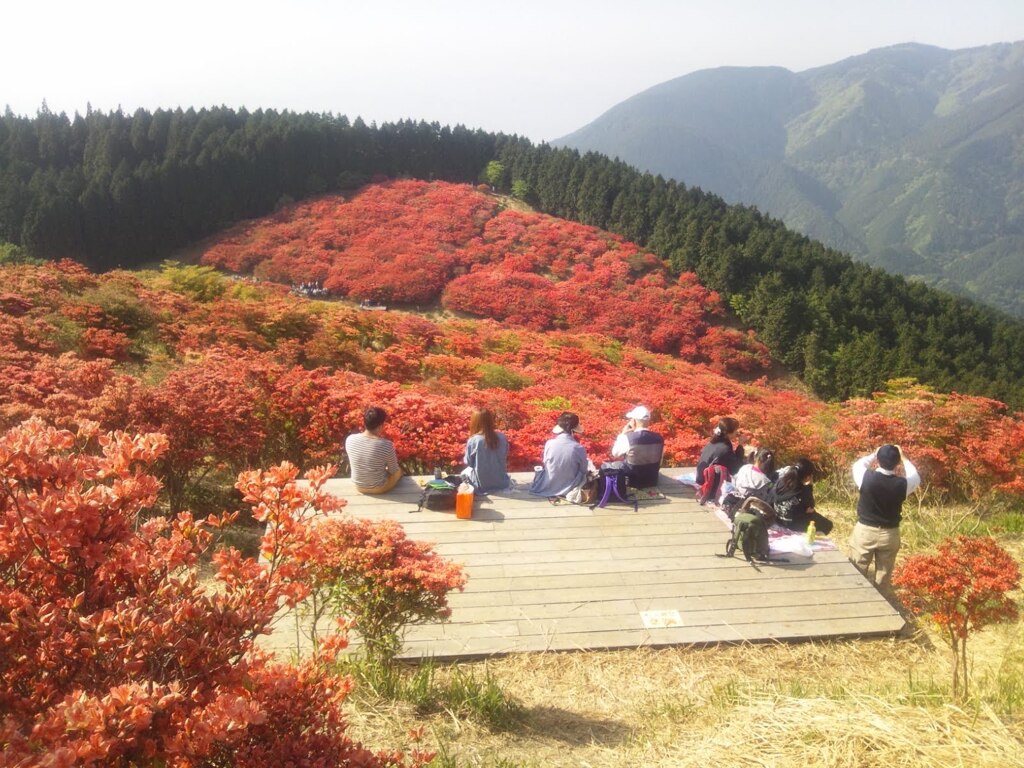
(611, 485)
(439, 496)
(730, 503)
(712, 481)
(750, 530)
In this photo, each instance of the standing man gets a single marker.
(372, 457)
(640, 449)
(885, 479)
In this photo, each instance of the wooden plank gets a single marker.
(651, 596)
(625, 614)
(580, 641)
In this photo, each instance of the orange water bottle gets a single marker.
(464, 501)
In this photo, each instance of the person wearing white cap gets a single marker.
(640, 449)
(565, 462)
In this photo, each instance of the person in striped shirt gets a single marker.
(372, 457)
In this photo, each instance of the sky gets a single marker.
(537, 69)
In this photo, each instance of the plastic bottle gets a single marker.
(812, 532)
(464, 501)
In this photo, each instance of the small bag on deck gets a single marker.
(586, 493)
(711, 483)
(439, 496)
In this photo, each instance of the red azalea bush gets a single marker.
(243, 374)
(378, 579)
(101, 342)
(965, 446)
(413, 242)
(963, 587)
(114, 653)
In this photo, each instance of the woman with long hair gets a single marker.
(486, 456)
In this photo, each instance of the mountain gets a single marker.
(910, 158)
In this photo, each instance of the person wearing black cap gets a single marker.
(884, 478)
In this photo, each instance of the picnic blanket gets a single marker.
(781, 540)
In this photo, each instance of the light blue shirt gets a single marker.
(565, 467)
(486, 467)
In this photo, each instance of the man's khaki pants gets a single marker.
(879, 544)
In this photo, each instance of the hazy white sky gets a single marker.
(540, 69)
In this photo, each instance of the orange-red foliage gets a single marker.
(413, 242)
(259, 375)
(114, 652)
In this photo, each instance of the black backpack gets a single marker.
(784, 499)
(439, 496)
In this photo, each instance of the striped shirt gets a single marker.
(372, 459)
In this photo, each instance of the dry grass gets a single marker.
(855, 703)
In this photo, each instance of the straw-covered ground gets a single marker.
(856, 703)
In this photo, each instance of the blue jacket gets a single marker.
(565, 467)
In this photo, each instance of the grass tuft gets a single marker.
(459, 691)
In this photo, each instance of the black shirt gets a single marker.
(720, 451)
(880, 503)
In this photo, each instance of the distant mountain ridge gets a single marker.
(909, 157)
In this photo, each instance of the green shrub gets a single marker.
(494, 376)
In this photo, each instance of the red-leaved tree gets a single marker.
(962, 588)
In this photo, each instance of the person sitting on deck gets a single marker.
(720, 450)
(757, 476)
(565, 462)
(753, 479)
(372, 457)
(793, 499)
(639, 448)
(486, 454)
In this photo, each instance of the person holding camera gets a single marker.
(884, 479)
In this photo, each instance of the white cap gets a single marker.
(558, 430)
(640, 412)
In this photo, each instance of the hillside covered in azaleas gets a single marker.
(417, 243)
(239, 374)
(116, 190)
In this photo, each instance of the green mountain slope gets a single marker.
(909, 157)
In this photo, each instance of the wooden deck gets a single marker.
(546, 577)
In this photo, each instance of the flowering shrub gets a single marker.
(413, 242)
(962, 588)
(379, 579)
(114, 653)
(101, 342)
(965, 446)
(251, 375)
